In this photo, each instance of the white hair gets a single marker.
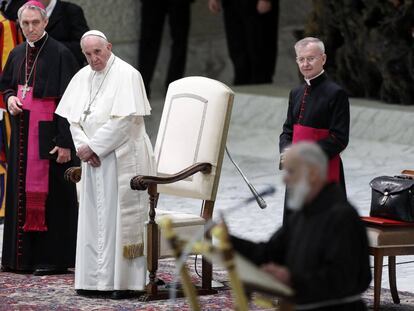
(306, 41)
(312, 154)
(31, 7)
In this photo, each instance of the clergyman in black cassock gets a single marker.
(40, 223)
(323, 245)
(318, 110)
(67, 24)
(325, 248)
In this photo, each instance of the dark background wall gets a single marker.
(207, 55)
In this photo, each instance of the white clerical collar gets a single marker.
(32, 44)
(50, 7)
(309, 80)
(107, 66)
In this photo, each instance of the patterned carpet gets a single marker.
(28, 292)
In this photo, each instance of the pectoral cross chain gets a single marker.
(25, 89)
(88, 111)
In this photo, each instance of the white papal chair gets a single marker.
(189, 153)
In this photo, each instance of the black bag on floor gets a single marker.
(392, 198)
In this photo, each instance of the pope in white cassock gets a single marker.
(105, 103)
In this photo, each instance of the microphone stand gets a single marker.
(260, 201)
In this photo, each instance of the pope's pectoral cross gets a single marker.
(25, 89)
(87, 113)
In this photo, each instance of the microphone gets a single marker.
(258, 197)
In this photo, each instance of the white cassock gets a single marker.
(109, 252)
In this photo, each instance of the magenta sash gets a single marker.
(306, 133)
(37, 170)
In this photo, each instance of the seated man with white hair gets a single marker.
(322, 250)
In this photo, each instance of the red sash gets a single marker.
(306, 133)
(37, 170)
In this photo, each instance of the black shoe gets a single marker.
(50, 271)
(93, 293)
(125, 294)
(7, 269)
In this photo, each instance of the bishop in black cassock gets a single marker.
(42, 237)
(67, 22)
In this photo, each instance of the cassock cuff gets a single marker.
(64, 142)
(6, 95)
(99, 152)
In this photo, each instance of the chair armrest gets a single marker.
(142, 182)
(408, 172)
(73, 174)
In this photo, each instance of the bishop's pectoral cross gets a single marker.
(25, 89)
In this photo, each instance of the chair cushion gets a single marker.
(390, 236)
(186, 226)
(181, 219)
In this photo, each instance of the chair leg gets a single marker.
(206, 274)
(152, 241)
(392, 278)
(378, 262)
(152, 258)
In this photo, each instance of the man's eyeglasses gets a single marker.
(309, 59)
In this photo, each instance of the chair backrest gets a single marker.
(193, 128)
